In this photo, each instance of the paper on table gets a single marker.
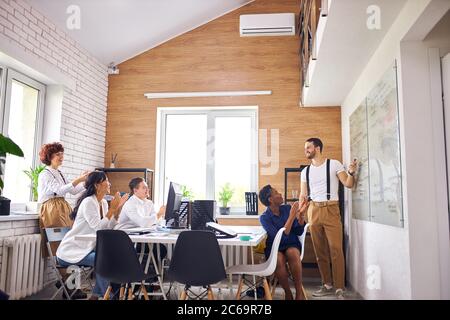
(139, 230)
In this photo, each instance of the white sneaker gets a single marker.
(323, 291)
(340, 294)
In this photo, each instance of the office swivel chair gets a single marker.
(116, 260)
(197, 262)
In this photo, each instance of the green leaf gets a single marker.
(9, 146)
(33, 174)
(226, 194)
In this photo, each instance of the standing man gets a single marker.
(320, 183)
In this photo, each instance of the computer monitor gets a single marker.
(203, 211)
(172, 214)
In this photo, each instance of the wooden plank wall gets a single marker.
(214, 57)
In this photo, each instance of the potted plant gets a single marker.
(187, 193)
(33, 174)
(225, 195)
(6, 146)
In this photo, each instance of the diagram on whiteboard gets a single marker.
(374, 138)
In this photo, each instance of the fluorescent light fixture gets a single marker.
(164, 95)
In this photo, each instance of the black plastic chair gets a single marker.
(197, 261)
(116, 260)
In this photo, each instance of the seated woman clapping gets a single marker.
(276, 216)
(90, 214)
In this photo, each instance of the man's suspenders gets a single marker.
(328, 181)
(307, 182)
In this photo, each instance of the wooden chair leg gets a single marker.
(268, 295)
(183, 295)
(130, 293)
(304, 293)
(107, 293)
(274, 285)
(122, 293)
(144, 291)
(210, 294)
(239, 289)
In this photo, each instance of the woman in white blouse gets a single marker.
(53, 187)
(90, 214)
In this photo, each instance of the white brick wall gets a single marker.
(83, 122)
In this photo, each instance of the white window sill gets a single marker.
(21, 211)
(18, 217)
(237, 215)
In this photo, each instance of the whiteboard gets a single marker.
(375, 141)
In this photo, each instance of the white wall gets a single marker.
(408, 258)
(77, 107)
(446, 89)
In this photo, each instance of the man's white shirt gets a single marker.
(318, 180)
(137, 213)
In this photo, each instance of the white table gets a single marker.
(257, 234)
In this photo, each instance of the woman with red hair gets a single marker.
(53, 186)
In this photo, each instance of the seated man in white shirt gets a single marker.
(139, 212)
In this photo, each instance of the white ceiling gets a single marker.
(346, 47)
(117, 30)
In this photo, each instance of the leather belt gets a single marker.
(324, 203)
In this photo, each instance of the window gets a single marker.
(22, 114)
(206, 148)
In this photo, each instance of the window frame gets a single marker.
(211, 113)
(6, 78)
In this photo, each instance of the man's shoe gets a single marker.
(323, 291)
(340, 294)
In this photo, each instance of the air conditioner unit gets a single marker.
(272, 24)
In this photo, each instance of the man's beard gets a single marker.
(311, 155)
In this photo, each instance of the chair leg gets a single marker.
(304, 293)
(107, 293)
(274, 285)
(122, 293)
(239, 289)
(230, 285)
(144, 291)
(210, 294)
(183, 295)
(130, 293)
(268, 295)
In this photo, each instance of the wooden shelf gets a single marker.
(148, 175)
(307, 25)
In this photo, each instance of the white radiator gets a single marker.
(22, 269)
